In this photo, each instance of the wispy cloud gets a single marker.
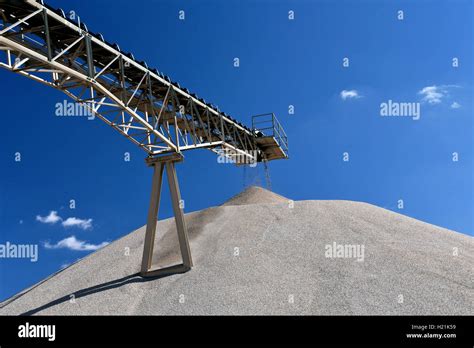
(350, 94)
(52, 218)
(85, 224)
(72, 243)
(435, 94)
(455, 105)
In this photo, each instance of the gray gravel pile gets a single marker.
(256, 195)
(269, 256)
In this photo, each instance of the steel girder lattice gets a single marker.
(140, 103)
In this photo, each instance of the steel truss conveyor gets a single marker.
(142, 104)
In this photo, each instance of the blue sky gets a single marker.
(282, 62)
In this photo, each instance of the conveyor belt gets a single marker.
(140, 102)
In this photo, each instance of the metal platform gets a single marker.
(270, 137)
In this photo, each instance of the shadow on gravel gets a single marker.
(133, 278)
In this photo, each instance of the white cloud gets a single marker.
(352, 94)
(74, 244)
(52, 218)
(435, 94)
(85, 224)
(455, 105)
(431, 94)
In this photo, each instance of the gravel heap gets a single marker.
(260, 254)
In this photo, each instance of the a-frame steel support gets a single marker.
(159, 164)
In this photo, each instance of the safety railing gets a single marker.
(267, 125)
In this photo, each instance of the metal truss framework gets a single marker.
(142, 104)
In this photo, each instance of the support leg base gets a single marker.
(160, 164)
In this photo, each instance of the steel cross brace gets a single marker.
(159, 164)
